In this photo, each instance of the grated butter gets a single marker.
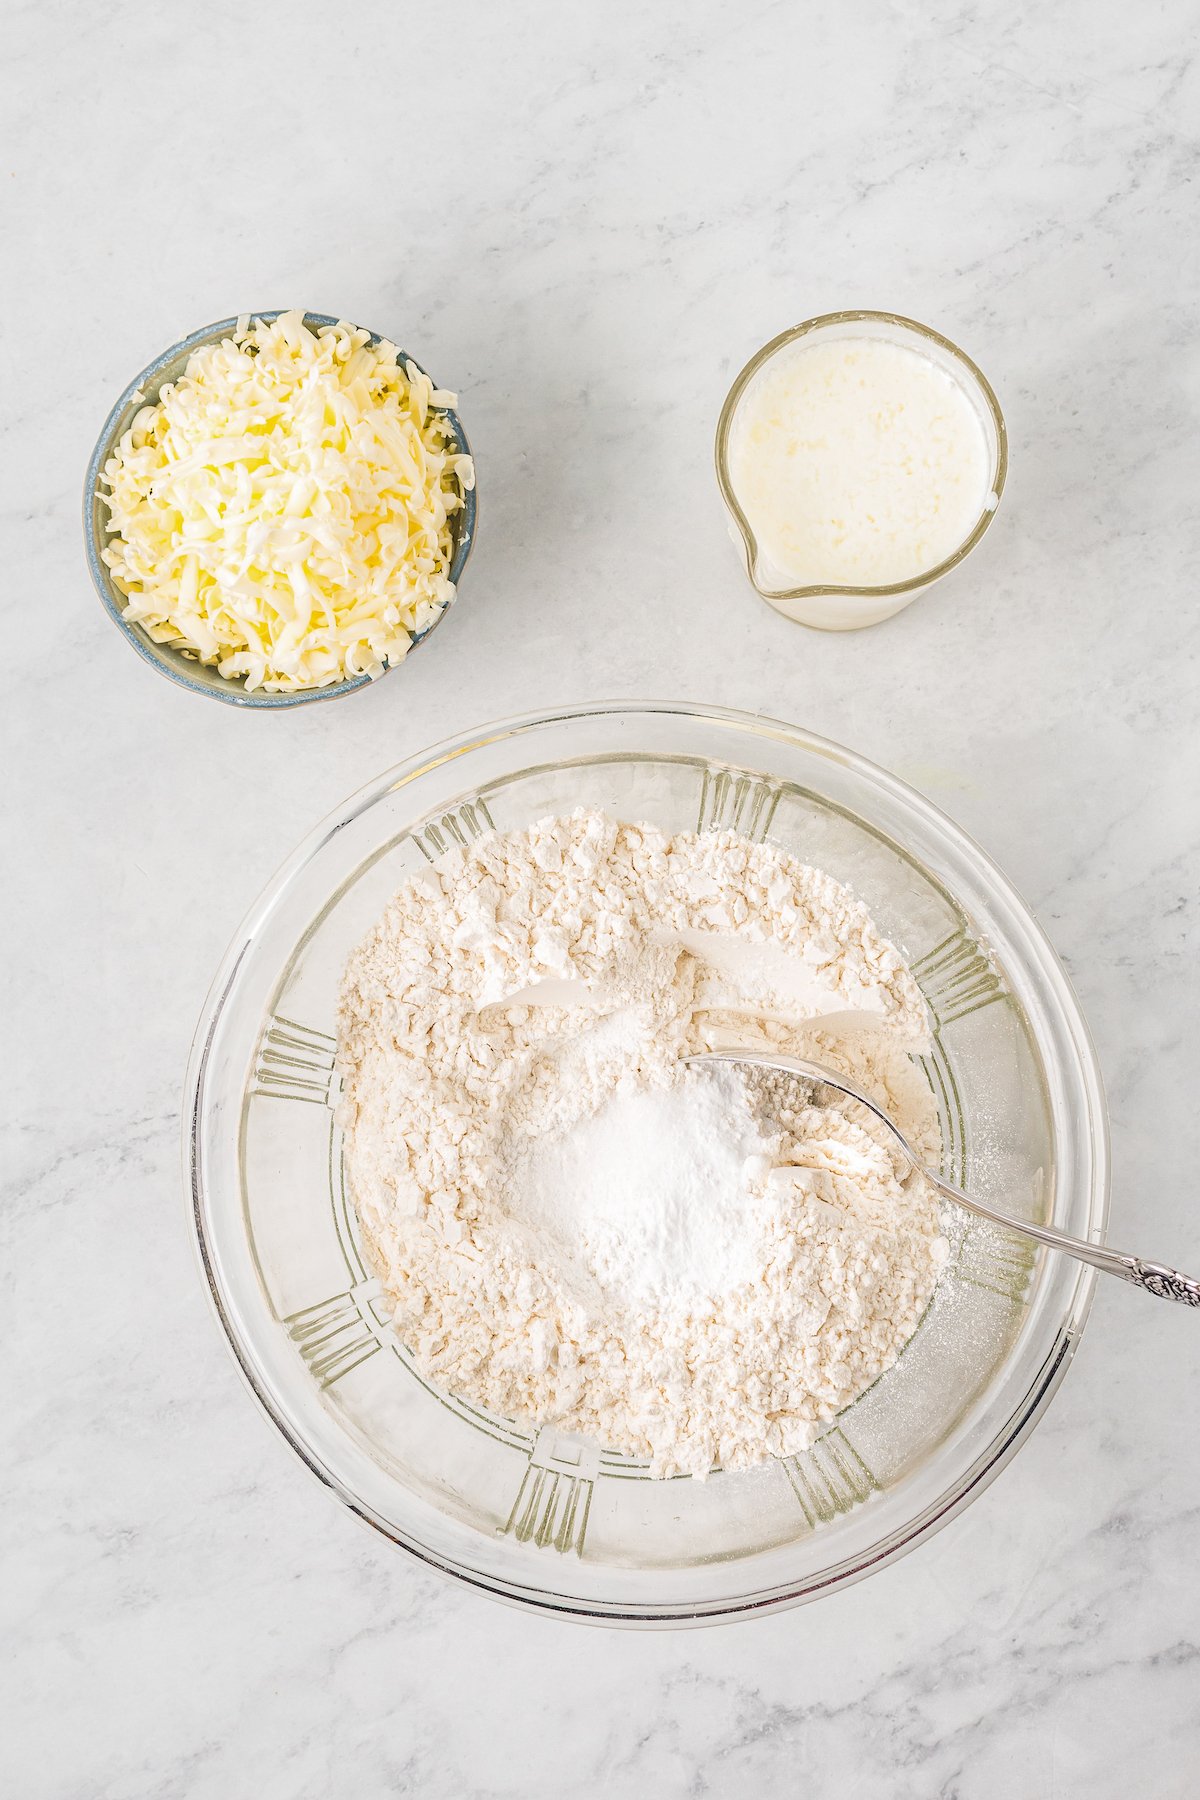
(283, 512)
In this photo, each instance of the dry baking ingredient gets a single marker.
(574, 1227)
(283, 511)
(653, 1197)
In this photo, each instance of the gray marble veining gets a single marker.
(601, 213)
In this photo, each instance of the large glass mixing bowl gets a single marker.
(536, 1517)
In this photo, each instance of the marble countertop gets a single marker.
(600, 215)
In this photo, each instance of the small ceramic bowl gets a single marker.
(831, 608)
(177, 667)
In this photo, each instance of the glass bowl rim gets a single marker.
(915, 583)
(232, 692)
(965, 1485)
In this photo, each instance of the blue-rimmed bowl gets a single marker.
(144, 390)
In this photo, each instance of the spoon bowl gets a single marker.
(824, 1083)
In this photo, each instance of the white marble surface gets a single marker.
(601, 213)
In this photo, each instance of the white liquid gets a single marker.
(858, 463)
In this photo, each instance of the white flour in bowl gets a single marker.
(575, 1228)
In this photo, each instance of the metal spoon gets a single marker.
(1156, 1278)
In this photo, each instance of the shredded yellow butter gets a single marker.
(283, 511)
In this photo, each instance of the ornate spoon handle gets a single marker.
(1168, 1284)
(1155, 1278)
